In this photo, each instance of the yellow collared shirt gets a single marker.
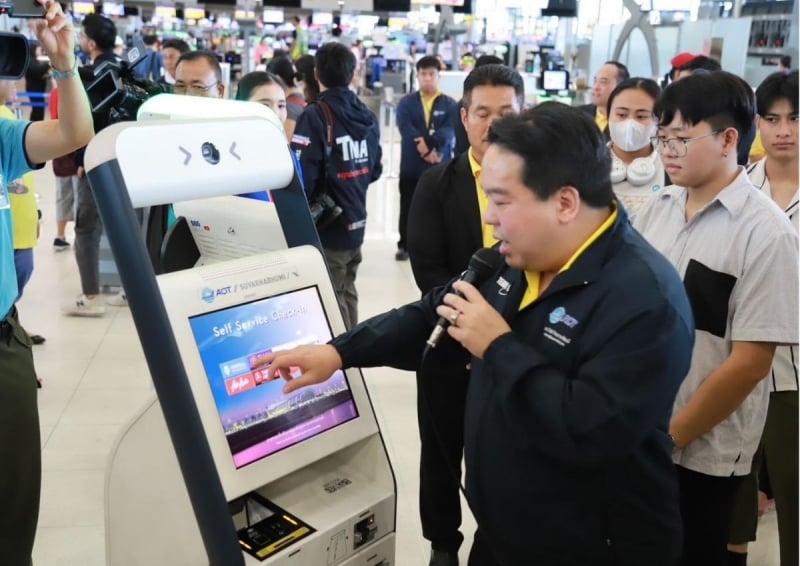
(534, 278)
(483, 202)
(601, 120)
(427, 107)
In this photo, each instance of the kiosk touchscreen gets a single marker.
(256, 417)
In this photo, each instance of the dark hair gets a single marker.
(101, 30)
(622, 71)
(278, 53)
(305, 72)
(429, 62)
(777, 86)
(335, 64)
(209, 58)
(282, 67)
(296, 19)
(253, 80)
(150, 39)
(701, 62)
(493, 75)
(720, 98)
(552, 138)
(178, 45)
(786, 61)
(487, 60)
(649, 86)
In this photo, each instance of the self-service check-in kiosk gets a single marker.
(222, 467)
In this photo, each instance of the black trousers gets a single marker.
(20, 446)
(407, 185)
(706, 506)
(441, 398)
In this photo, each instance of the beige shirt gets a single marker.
(738, 257)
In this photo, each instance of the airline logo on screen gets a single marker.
(248, 381)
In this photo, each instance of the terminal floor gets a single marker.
(95, 379)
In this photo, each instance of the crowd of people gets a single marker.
(620, 389)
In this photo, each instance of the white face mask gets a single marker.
(630, 135)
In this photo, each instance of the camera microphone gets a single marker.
(482, 264)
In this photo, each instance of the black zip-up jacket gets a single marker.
(86, 74)
(354, 161)
(568, 461)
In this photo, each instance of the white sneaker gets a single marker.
(118, 300)
(84, 306)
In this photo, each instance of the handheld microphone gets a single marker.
(482, 264)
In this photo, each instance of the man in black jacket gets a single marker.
(606, 79)
(462, 140)
(445, 227)
(97, 39)
(341, 164)
(578, 346)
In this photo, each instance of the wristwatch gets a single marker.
(62, 75)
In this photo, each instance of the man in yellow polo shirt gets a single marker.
(427, 138)
(572, 378)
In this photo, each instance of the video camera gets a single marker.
(14, 46)
(116, 92)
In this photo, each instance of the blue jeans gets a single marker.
(23, 263)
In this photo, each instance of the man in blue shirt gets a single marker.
(23, 145)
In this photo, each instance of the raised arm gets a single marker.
(54, 138)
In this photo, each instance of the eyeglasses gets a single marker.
(677, 149)
(197, 90)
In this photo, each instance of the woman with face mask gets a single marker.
(636, 169)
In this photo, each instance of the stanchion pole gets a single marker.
(392, 174)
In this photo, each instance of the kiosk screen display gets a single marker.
(257, 417)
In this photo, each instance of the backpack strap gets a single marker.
(330, 124)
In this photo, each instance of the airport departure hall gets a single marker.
(399, 283)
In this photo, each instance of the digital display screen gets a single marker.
(165, 11)
(272, 16)
(555, 80)
(83, 7)
(113, 9)
(257, 417)
(440, 2)
(194, 13)
(244, 15)
(322, 18)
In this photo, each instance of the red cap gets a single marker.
(681, 59)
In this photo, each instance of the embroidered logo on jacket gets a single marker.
(560, 315)
(504, 285)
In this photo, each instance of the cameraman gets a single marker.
(23, 146)
(97, 40)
